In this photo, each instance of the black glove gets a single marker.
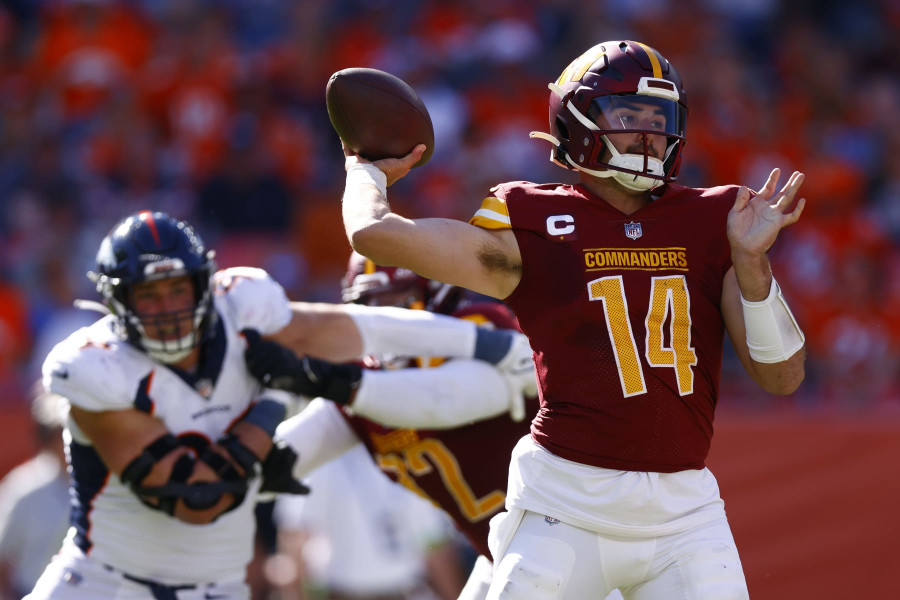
(278, 367)
(278, 471)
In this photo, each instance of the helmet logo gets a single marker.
(577, 69)
(633, 230)
(165, 265)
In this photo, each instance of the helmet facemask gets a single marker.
(647, 161)
(172, 349)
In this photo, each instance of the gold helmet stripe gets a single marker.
(654, 61)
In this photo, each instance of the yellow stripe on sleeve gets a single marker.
(493, 214)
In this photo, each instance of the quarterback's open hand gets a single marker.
(393, 168)
(754, 222)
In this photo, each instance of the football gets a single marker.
(378, 115)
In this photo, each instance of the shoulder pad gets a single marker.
(502, 189)
(94, 371)
(254, 299)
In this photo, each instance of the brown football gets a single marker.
(378, 115)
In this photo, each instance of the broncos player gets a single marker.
(445, 432)
(167, 431)
(625, 284)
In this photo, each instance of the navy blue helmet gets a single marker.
(149, 246)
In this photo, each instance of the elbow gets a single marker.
(783, 378)
(361, 239)
(783, 387)
(372, 241)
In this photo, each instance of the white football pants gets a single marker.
(546, 559)
(73, 577)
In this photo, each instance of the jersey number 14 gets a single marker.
(669, 298)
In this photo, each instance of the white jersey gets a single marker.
(96, 370)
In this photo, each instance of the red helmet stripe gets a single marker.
(147, 217)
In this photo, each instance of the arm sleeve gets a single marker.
(453, 394)
(403, 332)
(318, 435)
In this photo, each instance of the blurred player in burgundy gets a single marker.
(444, 432)
(625, 284)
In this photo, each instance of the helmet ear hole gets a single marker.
(562, 129)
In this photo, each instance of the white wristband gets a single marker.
(772, 332)
(367, 173)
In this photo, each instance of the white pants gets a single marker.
(72, 576)
(546, 559)
(479, 580)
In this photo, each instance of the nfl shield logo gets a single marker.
(633, 230)
(204, 387)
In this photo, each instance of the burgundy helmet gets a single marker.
(602, 92)
(374, 285)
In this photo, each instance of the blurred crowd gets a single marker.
(214, 111)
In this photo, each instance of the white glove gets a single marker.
(517, 368)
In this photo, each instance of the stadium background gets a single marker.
(214, 111)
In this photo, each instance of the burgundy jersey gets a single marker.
(623, 313)
(463, 470)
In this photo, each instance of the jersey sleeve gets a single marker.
(90, 375)
(494, 213)
(255, 299)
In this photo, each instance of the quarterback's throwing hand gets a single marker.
(393, 168)
(754, 221)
